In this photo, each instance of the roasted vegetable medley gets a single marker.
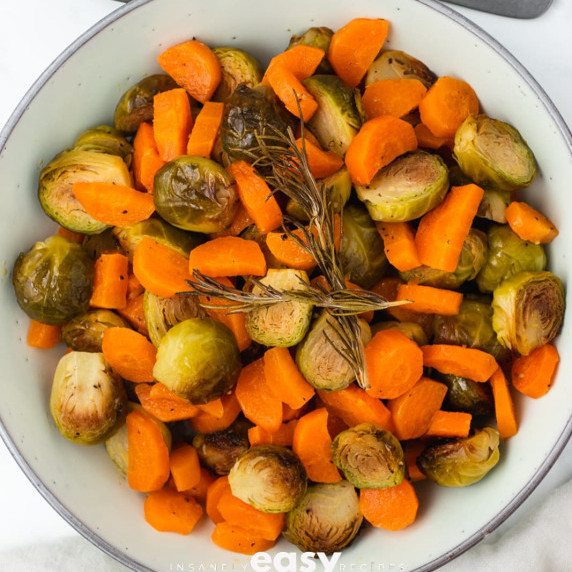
(290, 293)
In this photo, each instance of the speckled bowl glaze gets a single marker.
(80, 89)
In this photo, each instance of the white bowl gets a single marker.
(81, 89)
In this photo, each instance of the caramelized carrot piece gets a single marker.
(172, 122)
(206, 423)
(291, 92)
(428, 299)
(395, 96)
(399, 244)
(529, 224)
(534, 373)
(504, 406)
(146, 158)
(459, 360)
(449, 424)
(238, 539)
(110, 281)
(301, 60)
(167, 510)
(205, 129)
(43, 336)
(185, 466)
(322, 163)
(284, 436)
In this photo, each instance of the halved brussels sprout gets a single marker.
(316, 37)
(397, 64)
(106, 139)
(162, 232)
(412, 330)
(198, 359)
(507, 255)
(471, 327)
(461, 462)
(219, 451)
(467, 395)
(237, 67)
(87, 400)
(494, 154)
(161, 314)
(370, 457)
(117, 445)
(493, 205)
(528, 310)
(336, 121)
(72, 166)
(84, 333)
(361, 250)
(407, 188)
(269, 477)
(194, 193)
(319, 361)
(327, 518)
(136, 104)
(53, 281)
(250, 113)
(284, 324)
(472, 258)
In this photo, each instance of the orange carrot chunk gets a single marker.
(238, 539)
(256, 196)
(285, 381)
(529, 224)
(288, 252)
(129, 353)
(378, 142)
(199, 491)
(392, 508)
(322, 163)
(291, 92)
(413, 411)
(115, 205)
(284, 436)
(399, 244)
(256, 400)
(504, 406)
(354, 47)
(460, 360)
(146, 158)
(148, 454)
(450, 424)
(395, 96)
(394, 364)
(228, 256)
(429, 300)
(185, 466)
(301, 60)
(168, 510)
(447, 103)
(172, 122)
(43, 336)
(442, 231)
(194, 66)
(205, 129)
(110, 281)
(162, 403)
(411, 451)
(160, 269)
(133, 312)
(312, 444)
(533, 374)
(427, 140)
(215, 492)
(207, 423)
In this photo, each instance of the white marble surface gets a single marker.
(32, 34)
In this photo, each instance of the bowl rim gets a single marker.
(518, 498)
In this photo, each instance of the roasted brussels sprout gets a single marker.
(162, 232)
(85, 332)
(105, 139)
(361, 249)
(494, 154)
(462, 461)
(72, 166)
(87, 400)
(219, 451)
(237, 67)
(407, 188)
(97, 244)
(412, 330)
(467, 395)
(198, 359)
(283, 324)
(161, 314)
(471, 327)
(249, 114)
(396, 64)
(336, 121)
(269, 477)
(507, 255)
(370, 457)
(194, 193)
(316, 37)
(136, 104)
(53, 281)
(327, 518)
(472, 258)
(493, 205)
(528, 309)
(319, 361)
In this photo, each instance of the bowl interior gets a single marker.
(82, 90)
